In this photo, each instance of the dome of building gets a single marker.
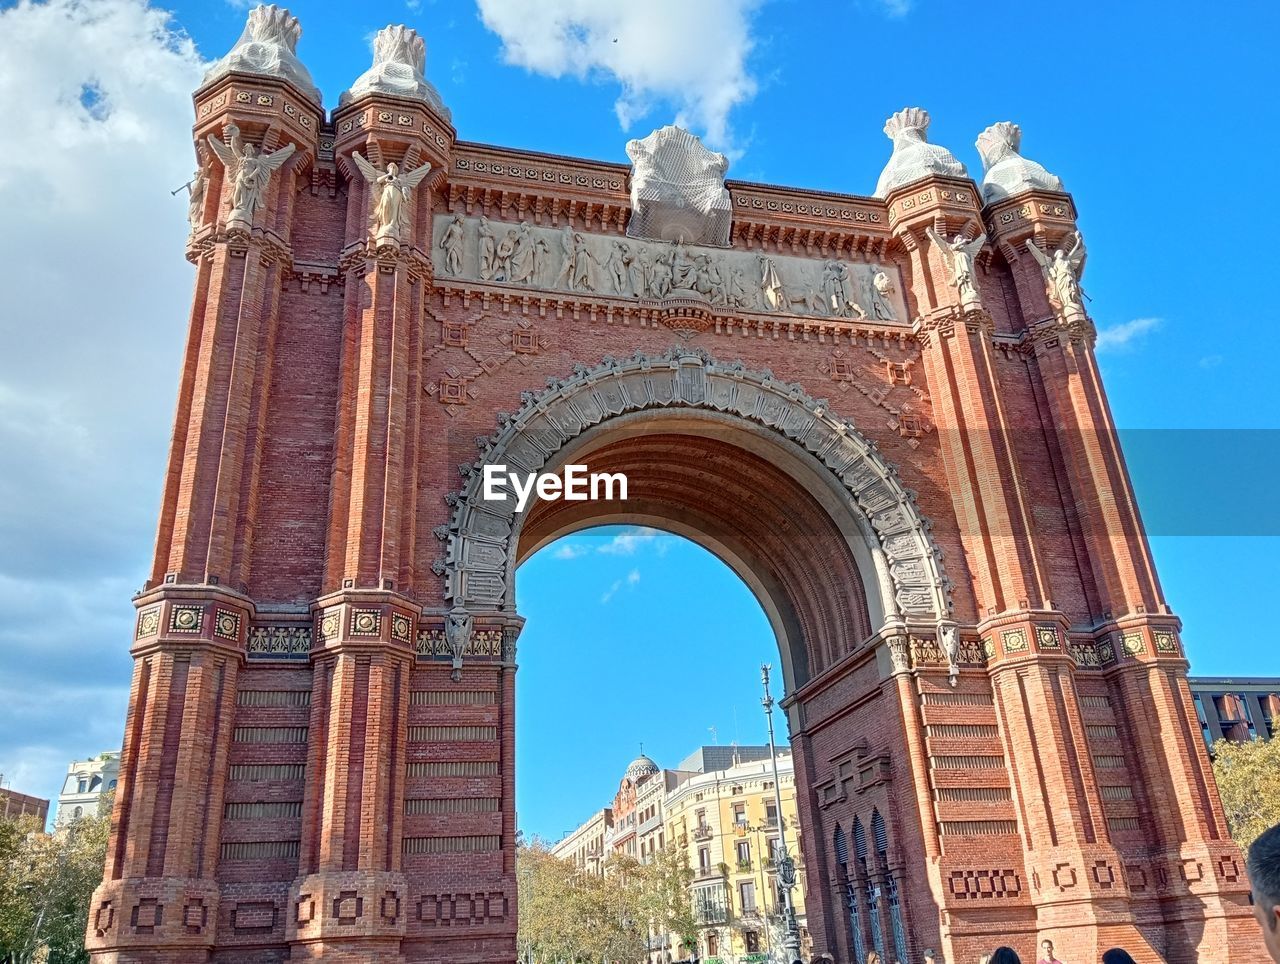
(640, 767)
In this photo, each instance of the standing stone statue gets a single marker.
(541, 251)
(959, 254)
(392, 191)
(619, 265)
(836, 296)
(502, 257)
(451, 244)
(575, 273)
(196, 192)
(878, 292)
(660, 284)
(250, 172)
(487, 250)
(523, 256)
(1062, 274)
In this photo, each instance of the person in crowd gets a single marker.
(1117, 955)
(1046, 953)
(1005, 955)
(1264, 878)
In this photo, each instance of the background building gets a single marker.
(585, 846)
(14, 805)
(1238, 709)
(727, 822)
(86, 782)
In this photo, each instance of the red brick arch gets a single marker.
(823, 482)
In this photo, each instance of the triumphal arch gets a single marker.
(884, 412)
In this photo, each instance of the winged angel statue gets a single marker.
(1062, 273)
(960, 254)
(392, 192)
(249, 170)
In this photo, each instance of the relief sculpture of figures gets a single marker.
(540, 252)
(684, 270)
(777, 296)
(836, 294)
(392, 191)
(1062, 274)
(878, 292)
(619, 265)
(196, 191)
(250, 172)
(523, 256)
(487, 250)
(575, 273)
(960, 254)
(502, 256)
(451, 244)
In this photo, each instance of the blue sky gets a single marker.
(1159, 118)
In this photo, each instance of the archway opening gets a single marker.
(735, 538)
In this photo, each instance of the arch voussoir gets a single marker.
(480, 556)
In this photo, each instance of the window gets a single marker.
(704, 858)
(773, 849)
(713, 945)
(740, 813)
(747, 896)
(770, 813)
(77, 813)
(752, 939)
(82, 786)
(744, 855)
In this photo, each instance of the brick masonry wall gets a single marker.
(306, 773)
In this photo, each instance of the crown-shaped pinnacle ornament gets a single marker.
(1007, 172)
(913, 156)
(910, 122)
(399, 69)
(268, 47)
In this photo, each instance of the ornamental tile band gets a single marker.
(279, 642)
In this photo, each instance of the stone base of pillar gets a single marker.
(165, 920)
(333, 911)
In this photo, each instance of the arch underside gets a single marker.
(792, 497)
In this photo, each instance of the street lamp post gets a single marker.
(786, 866)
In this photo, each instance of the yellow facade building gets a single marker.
(724, 816)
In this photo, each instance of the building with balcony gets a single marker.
(727, 822)
(86, 783)
(1236, 708)
(585, 846)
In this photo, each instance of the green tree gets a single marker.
(46, 882)
(1249, 780)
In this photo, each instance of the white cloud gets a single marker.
(630, 582)
(896, 8)
(626, 542)
(664, 53)
(1121, 336)
(569, 550)
(97, 294)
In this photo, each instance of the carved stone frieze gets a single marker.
(490, 251)
(478, 564)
